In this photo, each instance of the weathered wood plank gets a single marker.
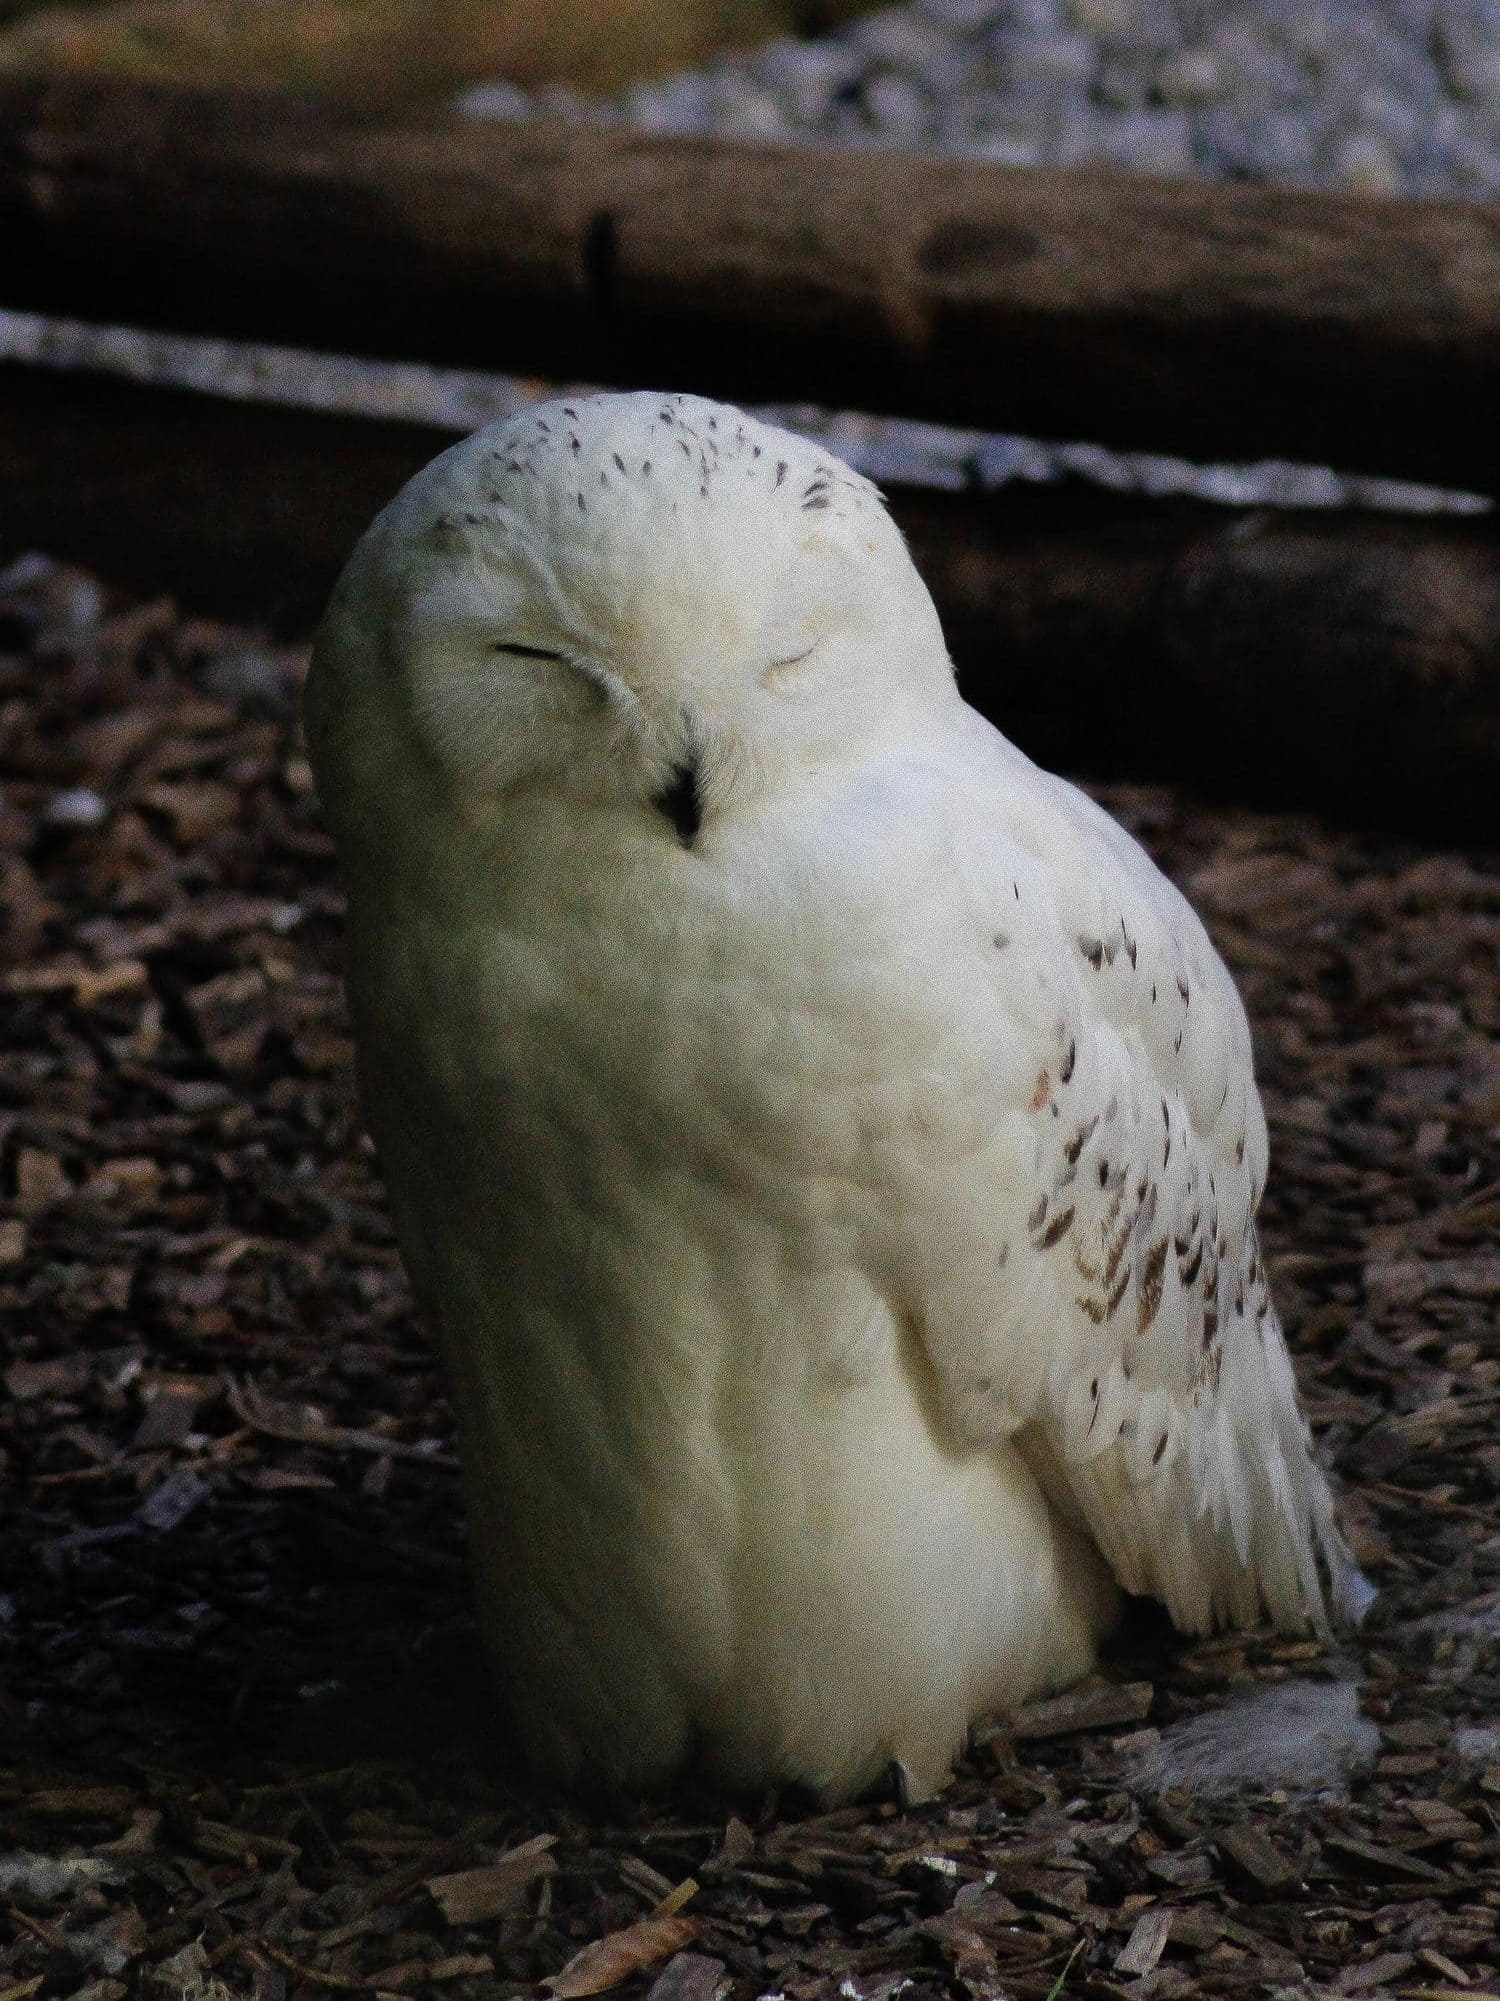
(1347, 662)
(1216, 321)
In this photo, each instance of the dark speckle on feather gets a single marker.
(1117, 1293)
(1079, 1141)
(1055, 1230)
(1149, 1287)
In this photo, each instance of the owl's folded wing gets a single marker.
(1080, 1254)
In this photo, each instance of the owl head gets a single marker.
(615, 596)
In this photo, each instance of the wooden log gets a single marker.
(1348, 663)
(1215, 321)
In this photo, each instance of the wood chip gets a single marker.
(1146, 1944)
(1372, 1973)
(690, 1976)
(302, 1425)
(81, 1802)
(1437, 1818)
(1389, 1861)
(1251, 1855)
(1103, 1707)
(607, 1961)
(472, 1896)
(40, 1181)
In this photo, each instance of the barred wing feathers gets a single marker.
(1104, 1304)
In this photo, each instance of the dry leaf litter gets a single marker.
(244, 1742)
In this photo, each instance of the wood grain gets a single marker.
(1347, 662)
(1215, 321)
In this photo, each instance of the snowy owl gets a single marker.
(824, 1147)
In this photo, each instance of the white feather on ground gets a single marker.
(1298, 1737)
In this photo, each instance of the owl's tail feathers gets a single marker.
(1214, 1503)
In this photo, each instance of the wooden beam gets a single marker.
(1347, 663)
(1215, 321)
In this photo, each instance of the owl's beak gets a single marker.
(681, 802)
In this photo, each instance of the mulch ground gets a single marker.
(245, 1741)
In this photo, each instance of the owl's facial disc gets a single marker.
(643, 599)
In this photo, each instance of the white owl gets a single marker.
(824, 1146)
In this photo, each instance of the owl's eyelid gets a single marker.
(796, 659)
(518, 651)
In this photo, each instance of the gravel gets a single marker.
(1395, 97)
(1391, 97)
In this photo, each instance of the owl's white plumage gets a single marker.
(826, 1148)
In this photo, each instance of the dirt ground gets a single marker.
(244, 1745)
